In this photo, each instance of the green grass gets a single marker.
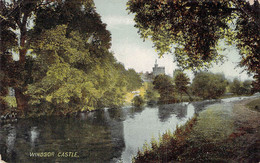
(254, 105)
(186, 98)
(214, 124)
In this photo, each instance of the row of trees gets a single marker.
(168, 87)
(240, 88)
(208, 85)
(205, 85)
(64, 64)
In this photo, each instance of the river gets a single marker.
(107, 135)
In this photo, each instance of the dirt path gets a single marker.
(245, 116)
(247, 132)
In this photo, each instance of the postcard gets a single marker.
(129, 81)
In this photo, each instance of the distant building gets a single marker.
(146, 77)
(149, 76)
(158, 70)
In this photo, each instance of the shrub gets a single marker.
(208, 85)
(138, 101)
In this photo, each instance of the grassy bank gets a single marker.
(216, 135)
(169, 146)
(254, 105)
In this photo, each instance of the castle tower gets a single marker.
(156, 65)
(158, 70)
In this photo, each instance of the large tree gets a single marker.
(240, 88)
(193, 29)
(64, 62)
(16, 21)
(181, 81)
(15, 16)
(164, 85)
(208, 85)
(134, 80)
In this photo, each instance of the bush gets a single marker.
(164, 85)
(138, 101)
(241, 88)
(208, 85)
(151, 95)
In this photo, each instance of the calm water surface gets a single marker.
(107, 135)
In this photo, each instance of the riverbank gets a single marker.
(247, 132)
(226, 132)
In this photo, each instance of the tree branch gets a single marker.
(12, 12)
(246, 13)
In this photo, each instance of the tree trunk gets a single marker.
(21, 100)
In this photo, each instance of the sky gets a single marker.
(133, 52)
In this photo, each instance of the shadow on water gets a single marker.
(106, 135)
(95, 139)
(117, 114)
(166, 111)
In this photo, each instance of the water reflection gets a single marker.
(106, 135)
(117, 114)
(166, 111)
(10, 140)
(34, 134)
(190, 111)
(135, 111)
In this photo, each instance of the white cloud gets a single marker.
(141, 58)
(115, 21)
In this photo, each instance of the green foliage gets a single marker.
(241, 88)
(8, 41)
(208, 85)
(247, 37)
(151, 95)
(134, 80)
(138, 101)
(64, 61)
(163, 84)
(181, 82)
(15, 16)
(192, 30)
(75, 79)
(178, 24)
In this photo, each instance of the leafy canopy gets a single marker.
(208, 85)
(64, 63)
(164, 85)
(193, 29)
(181, 81)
